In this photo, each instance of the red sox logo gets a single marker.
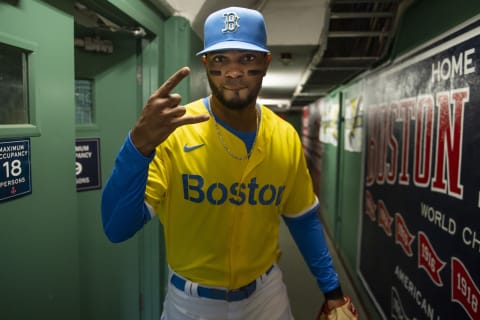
(231, 22)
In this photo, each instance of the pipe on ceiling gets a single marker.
(318, 55)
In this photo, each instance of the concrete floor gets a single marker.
(305, 296)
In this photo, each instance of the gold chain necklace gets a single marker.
(222, 141)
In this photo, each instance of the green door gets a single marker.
(39, 273)
(107, 92)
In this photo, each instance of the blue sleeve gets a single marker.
(307, 232)
(124, 211)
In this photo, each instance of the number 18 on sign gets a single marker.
(15, 173)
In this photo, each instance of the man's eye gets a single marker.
(218, 59)
(249, 58)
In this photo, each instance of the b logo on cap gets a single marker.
(231, 22)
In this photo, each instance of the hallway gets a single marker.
(305, 296)
(393, 152)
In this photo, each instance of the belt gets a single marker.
(219, 294)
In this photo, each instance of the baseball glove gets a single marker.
(346, 311)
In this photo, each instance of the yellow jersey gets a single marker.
(221, 215)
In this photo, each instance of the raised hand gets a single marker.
(162, 115)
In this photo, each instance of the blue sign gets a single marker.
(87, 166)
(15, 170)
(420, 234)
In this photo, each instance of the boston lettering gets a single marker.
(436, 154)
(195, 190)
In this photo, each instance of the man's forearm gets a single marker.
(123, 209)
(307, 231)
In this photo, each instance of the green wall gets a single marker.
(39, 269)
(427, 19)
(329, 178)
(124, 280)
(107, 269)
(123, 83)
(198, 79)
(56, 261)
(348, 176)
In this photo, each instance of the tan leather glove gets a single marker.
(346, 311)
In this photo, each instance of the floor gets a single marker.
(305, 296)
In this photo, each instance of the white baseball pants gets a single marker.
(268, 302)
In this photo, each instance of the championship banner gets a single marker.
(353, 115)
(419, 252)
(329, 113)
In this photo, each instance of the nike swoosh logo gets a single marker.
(191, 148)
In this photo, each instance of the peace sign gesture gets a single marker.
(162, 115)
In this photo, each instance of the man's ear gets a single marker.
(204, 59)
(268, 59)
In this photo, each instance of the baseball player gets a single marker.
(220, 173)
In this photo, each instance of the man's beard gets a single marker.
(236, 103)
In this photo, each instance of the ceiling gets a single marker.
(316, 44)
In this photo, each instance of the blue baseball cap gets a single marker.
(234, 28)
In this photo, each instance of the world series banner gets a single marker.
(353, 115)
(329, 113)
(419, 252)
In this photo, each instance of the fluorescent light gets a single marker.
(280, 103)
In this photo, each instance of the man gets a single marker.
(220, 172)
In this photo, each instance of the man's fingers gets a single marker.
(172, 101)
(171, 82)
(190, 120)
